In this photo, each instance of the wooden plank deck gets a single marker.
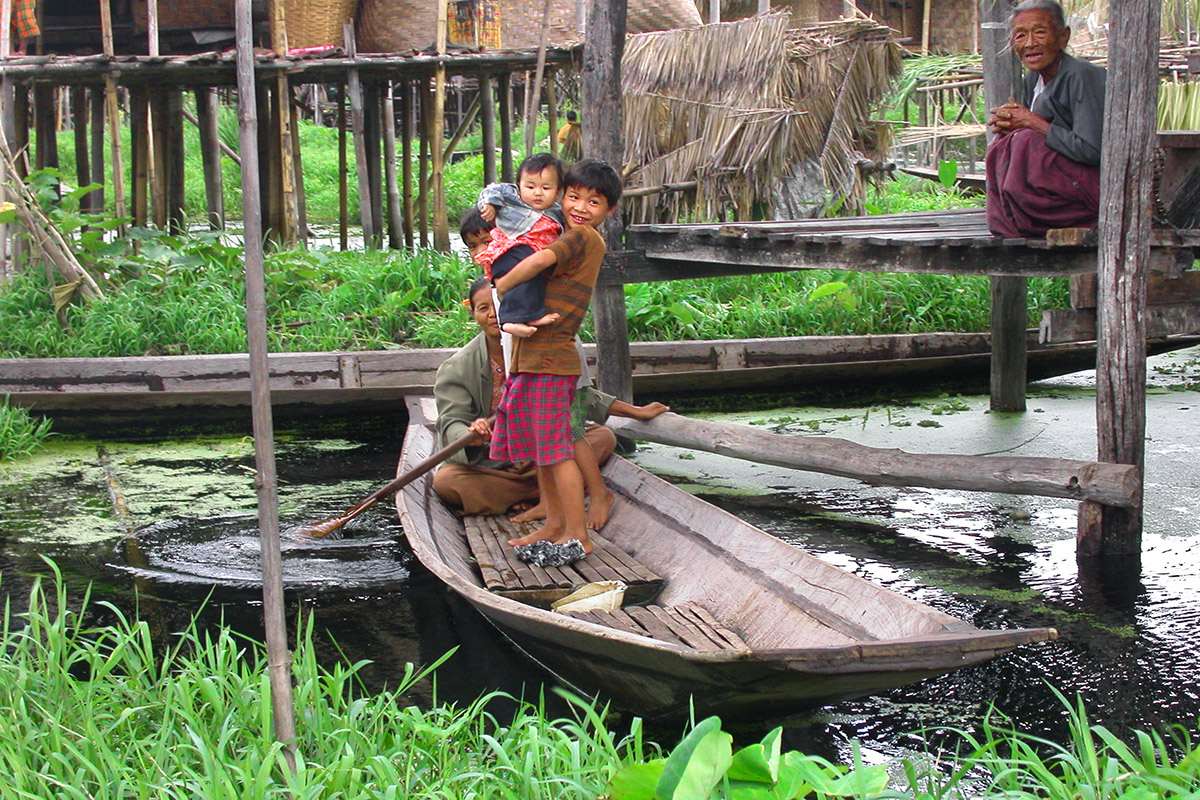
(503, 573)
(946, 242)
(687, 625)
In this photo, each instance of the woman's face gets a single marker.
(484, 311)
(1037, 41)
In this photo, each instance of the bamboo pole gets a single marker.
(278, 658)
(395, 218)
(533, 100)
(139, 156)
(441, 229)
(1112, 484)
(423, 165)
(298, 170)
(79, 127)
(406, 171)
(155, 177)
(506, 159)
(552, 114)
(112, 107)
(289, 212)
(96, 127)
(354, 89)
(373, 131)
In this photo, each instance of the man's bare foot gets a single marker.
(530, 514)
(598, 510)
(518, 329)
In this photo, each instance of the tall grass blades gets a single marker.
(109, 713)
(20, 433)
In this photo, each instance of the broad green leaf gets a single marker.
(826, 289)
(812, 770)
(862, 781)
(948, 173)
(677, 762)
(705, 769)
(750, 790)
(683, 313)
(636, 781)
(848, 301)
(758, 762)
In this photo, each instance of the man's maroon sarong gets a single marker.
(1031, 188)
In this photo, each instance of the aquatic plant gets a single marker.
(20, 433)
(111, 712)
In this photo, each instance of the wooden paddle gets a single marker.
(326, 527)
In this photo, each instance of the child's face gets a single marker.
(584, 207)
(539, 190)
(476, 241)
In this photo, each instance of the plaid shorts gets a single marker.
(533, 421)
(24, 19)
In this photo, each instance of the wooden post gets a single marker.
(79, 126)
(395, 221)
(113, 112)
(156, 141)
(343, 173)
(1002, 80)
(406, 167)
(279, 660)
(298, 173)
(45, 110)
(487, 107)
(506, 159)
(552, 114)
(372, 138)
(354, 89)
(139, 156)
(1127, 164)
(210, 156)
(441, 229)
(603, 139)
(173, 160)
(96, 111)
(423, 163)
(7, 256)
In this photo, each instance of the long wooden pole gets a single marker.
(113, 112)
(603, 139)
(390, 176)
(534, 101)
(357, 124)
(1127, 165)
(437, 177)
(406, 167)
(487, 107)
(278, 658)
(1112, 484)
(290, 214)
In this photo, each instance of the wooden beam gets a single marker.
(1127, 164)
(603, 140)
(1079, 325)
(354, 90)
(1112, 484)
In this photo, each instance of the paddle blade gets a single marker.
(320, 529)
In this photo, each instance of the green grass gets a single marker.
(20, 433)
(108, 713)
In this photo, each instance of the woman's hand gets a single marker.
(1013, 116)
(482, 427)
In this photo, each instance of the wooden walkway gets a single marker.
(946, 242)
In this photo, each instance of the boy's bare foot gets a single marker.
(546, 533)
(599, 507)
(518, 329)
(546, 320)
(530, 514)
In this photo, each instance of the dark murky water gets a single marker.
(188, 544)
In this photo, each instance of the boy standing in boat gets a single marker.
(533, 420)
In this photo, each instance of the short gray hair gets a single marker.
(1053, 7)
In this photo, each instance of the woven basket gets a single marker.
(317, 23)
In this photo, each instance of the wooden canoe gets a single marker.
(806, 633)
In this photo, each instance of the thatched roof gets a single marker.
(742, 107)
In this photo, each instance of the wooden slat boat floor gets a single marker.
(688, 625)
(503, 573)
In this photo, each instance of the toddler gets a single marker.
(527, 218)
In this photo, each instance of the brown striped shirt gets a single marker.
(578, 253)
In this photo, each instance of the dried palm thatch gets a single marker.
(740, 108)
